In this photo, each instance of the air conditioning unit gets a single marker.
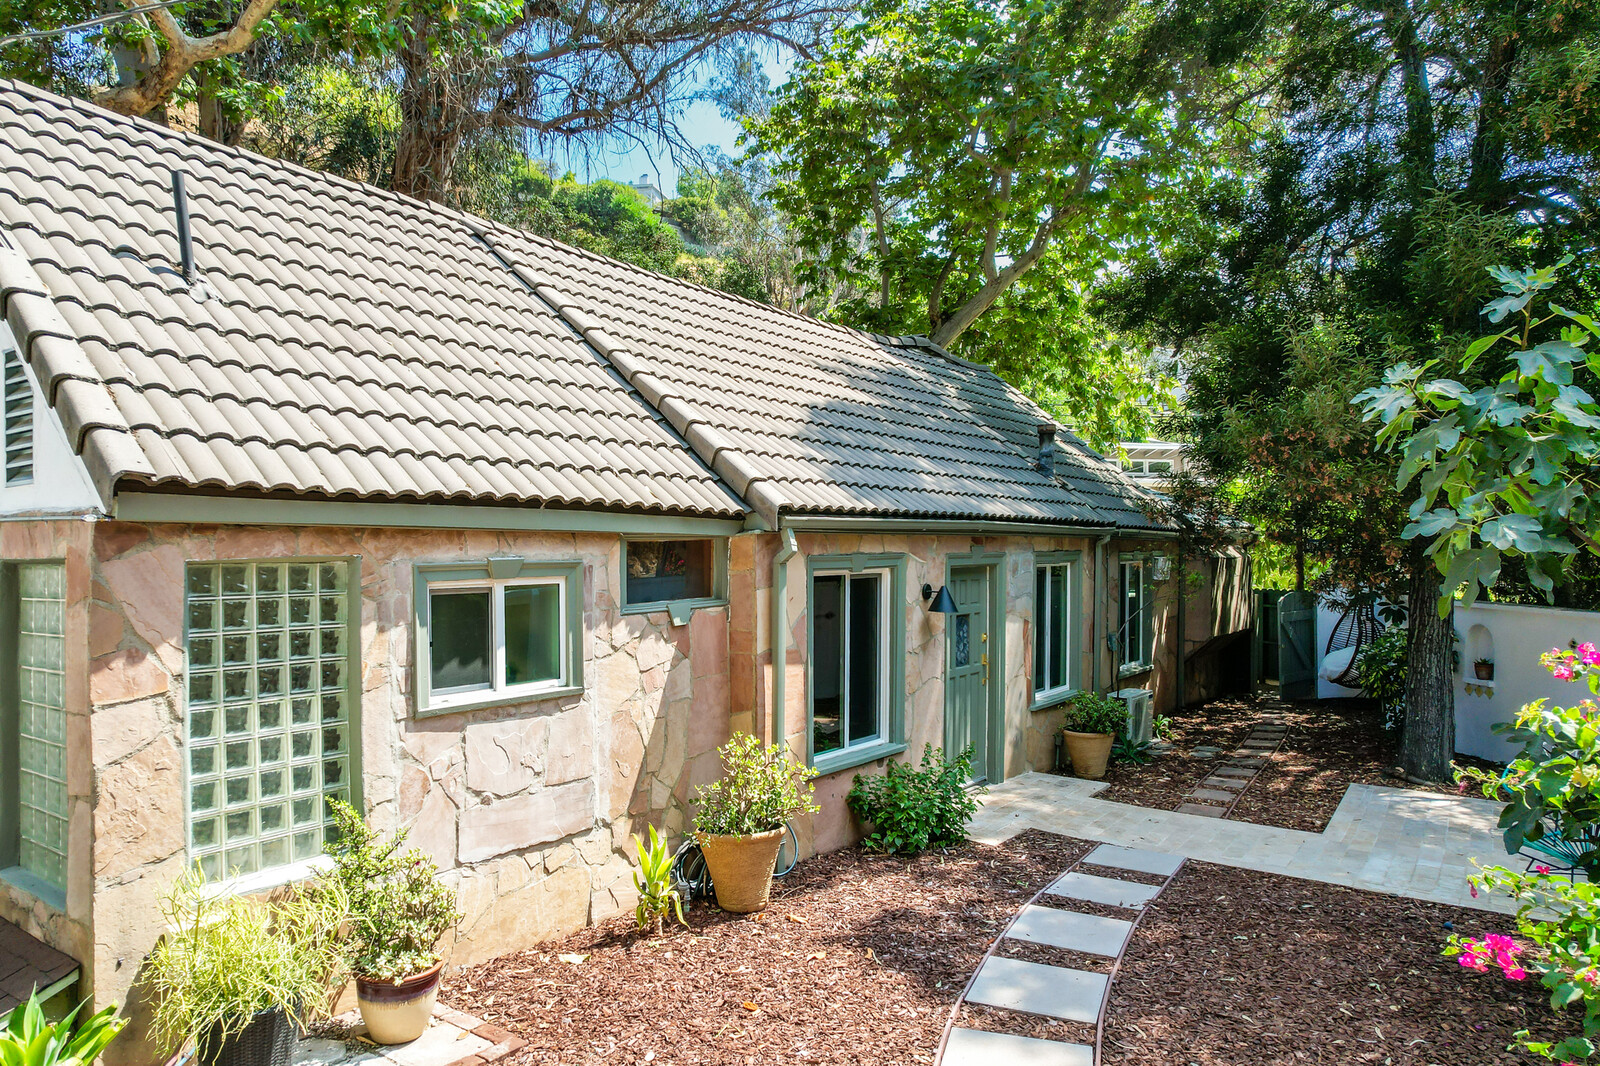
(1141, 704)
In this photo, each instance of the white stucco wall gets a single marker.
(60, 484)
(1514, 637)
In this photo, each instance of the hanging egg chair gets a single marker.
(1352, 634)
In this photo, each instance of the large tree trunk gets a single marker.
(1429, 742)
(430, 123)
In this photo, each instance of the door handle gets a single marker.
(985, 668)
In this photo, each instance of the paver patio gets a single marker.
(1393, 840)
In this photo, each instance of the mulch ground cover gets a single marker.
(1331, 744)
(857, 960)
(1234, 968)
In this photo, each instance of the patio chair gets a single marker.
(1356, 628)
(1562, 856)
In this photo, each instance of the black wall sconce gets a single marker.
(943, 603)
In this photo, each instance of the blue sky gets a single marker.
(703, 125)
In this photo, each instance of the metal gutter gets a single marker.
(780, 634)
(233, 510)
(953, 526)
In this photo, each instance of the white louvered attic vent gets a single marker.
(18, 402)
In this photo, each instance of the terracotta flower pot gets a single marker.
(397, 1012)
(741, 868)
(1483, 671)
(1089, 753)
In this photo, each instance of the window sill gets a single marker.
(850, 758)
(500, 700)
(267, 880)
(678, 610)
(1049, 701)
(30, 883)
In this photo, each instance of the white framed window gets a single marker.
(1055, 644)
(850, 650)
(271, 711)
(1135, 611)
(501, 632)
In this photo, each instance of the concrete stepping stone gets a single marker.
(1249, 762)
(1145, 862)
(1201, 809)
(1220, 795)
(1105, 890)
(975, 1047)
(1233, 771)
(1070, 931)
(1034, 988)
(1233, 784)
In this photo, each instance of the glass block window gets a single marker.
(17, 398)
(41, 721)
(271, 710)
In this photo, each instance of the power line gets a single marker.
(115, 16)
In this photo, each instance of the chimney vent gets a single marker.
(180, 203)
(1047, 449)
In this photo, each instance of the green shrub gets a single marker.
(658, 895)
(913, 810)
(762, 788)
(398, 906)
(1127, 750)
(29, 1040)
(226, 957)
(1090, 712)
(1382, 672)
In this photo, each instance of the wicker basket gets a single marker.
(266, 1040)
(741, 868)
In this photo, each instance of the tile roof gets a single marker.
(358, 343)
(834, 420)
(362, 344)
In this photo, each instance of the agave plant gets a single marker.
(29, 1040)
(657, 895)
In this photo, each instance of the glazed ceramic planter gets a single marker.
(397, 1012)
(1089, 753)
(741, 868)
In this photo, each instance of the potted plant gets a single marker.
(399, 909)
(1483, 669)
(1092, 724)
(740, 822)
(238, 975)
(29, 1040)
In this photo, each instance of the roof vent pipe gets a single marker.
(1047, 449)
(180, 203)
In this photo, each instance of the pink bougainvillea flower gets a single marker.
(1516, 973)
(1472, 962)
(1474, 889)
(1499, 942)
(1541, 868)
(1563, 673)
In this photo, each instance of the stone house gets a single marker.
(314, 491)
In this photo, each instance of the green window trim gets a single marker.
(491, 573)
(891, 740)
(1044, 699)
(272, 712)
(33, 809)
(679, 609)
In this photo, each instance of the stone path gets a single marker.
(453, 1038)
(1072, 995)
(1394, 840)
(1215, 796)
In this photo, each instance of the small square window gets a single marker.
(661, 571)
(494, 640)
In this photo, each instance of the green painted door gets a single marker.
(968, 672)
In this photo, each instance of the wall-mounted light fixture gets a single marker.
(943, 603)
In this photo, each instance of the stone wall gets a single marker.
(1029, 734)
(71, 930)
(529, 808)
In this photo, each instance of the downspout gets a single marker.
(780, 632)
(1097, 614)
(1183, 633)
